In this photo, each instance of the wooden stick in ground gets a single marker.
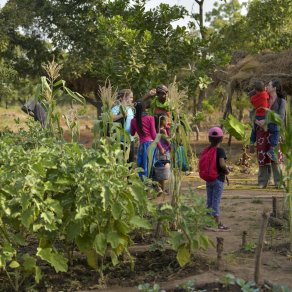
(220, 241)
(275, 212)
(257, 272)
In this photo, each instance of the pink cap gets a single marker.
(215, 132)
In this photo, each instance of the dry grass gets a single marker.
(8, 117)
(263, 67)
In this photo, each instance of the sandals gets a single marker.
(223, 227)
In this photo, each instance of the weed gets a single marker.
(146, 287)
(257, 201)
(249, 247)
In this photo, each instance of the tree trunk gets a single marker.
(228, 108)
(202, 95)
(195, 105)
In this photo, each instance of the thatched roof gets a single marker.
(264, 67)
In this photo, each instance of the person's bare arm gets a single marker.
(223, 165)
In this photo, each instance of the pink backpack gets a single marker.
(208, 164)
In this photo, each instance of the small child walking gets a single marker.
(144, 125)
(213, 169)
(260, 101)
(164, 129)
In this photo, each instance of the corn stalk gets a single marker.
(287, 171)
(47, 93)
(180, 136)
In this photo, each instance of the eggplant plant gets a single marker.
(55, 195)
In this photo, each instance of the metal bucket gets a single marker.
(162, 170)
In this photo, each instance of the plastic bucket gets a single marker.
(162, 170)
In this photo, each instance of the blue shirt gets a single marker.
(130, 116)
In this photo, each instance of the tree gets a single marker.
(7, 77)
(96, 40)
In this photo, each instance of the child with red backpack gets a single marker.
(212, 169)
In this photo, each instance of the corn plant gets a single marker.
(71, 121)
(105, 127)
(180, 136)
(182, 223)
(287, 170)
(47, 93)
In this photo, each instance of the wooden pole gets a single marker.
(219, 249)
(257, 272)
(275, 209)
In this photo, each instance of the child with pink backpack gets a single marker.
(213, 169)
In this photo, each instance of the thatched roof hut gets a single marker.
(264, 67)
(245, 69)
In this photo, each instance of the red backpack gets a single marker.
(208, 164)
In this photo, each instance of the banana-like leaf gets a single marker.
(272, 117)
(235, 128)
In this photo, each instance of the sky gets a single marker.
(190, 5)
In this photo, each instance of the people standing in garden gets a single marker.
(260, 100)
(144, 125)
(157, 101)
(33, 108)
(123, 112)
(266, 165)
(213, 169)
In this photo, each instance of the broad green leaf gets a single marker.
(27, 217)
(55, 206)
(235, 128)
(116, 210)
(57, 260)
(122, 227)
(176, 239)
(74, 229)
(84, 242)
(83, 212)
(114, 258)
(91, 258)
(140, 222)
(204, 241)
(100, 243)
(38, 274)
(105, 194)
(137, 189)
(29, 262)
(14, 265)
(183, 255)
(113, 238)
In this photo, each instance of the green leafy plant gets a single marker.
(188, 235)
(249, 247)
(47, 93)
(146, 287)
(286, 147)
(55, 194)
(236, 128)
(246, 286)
